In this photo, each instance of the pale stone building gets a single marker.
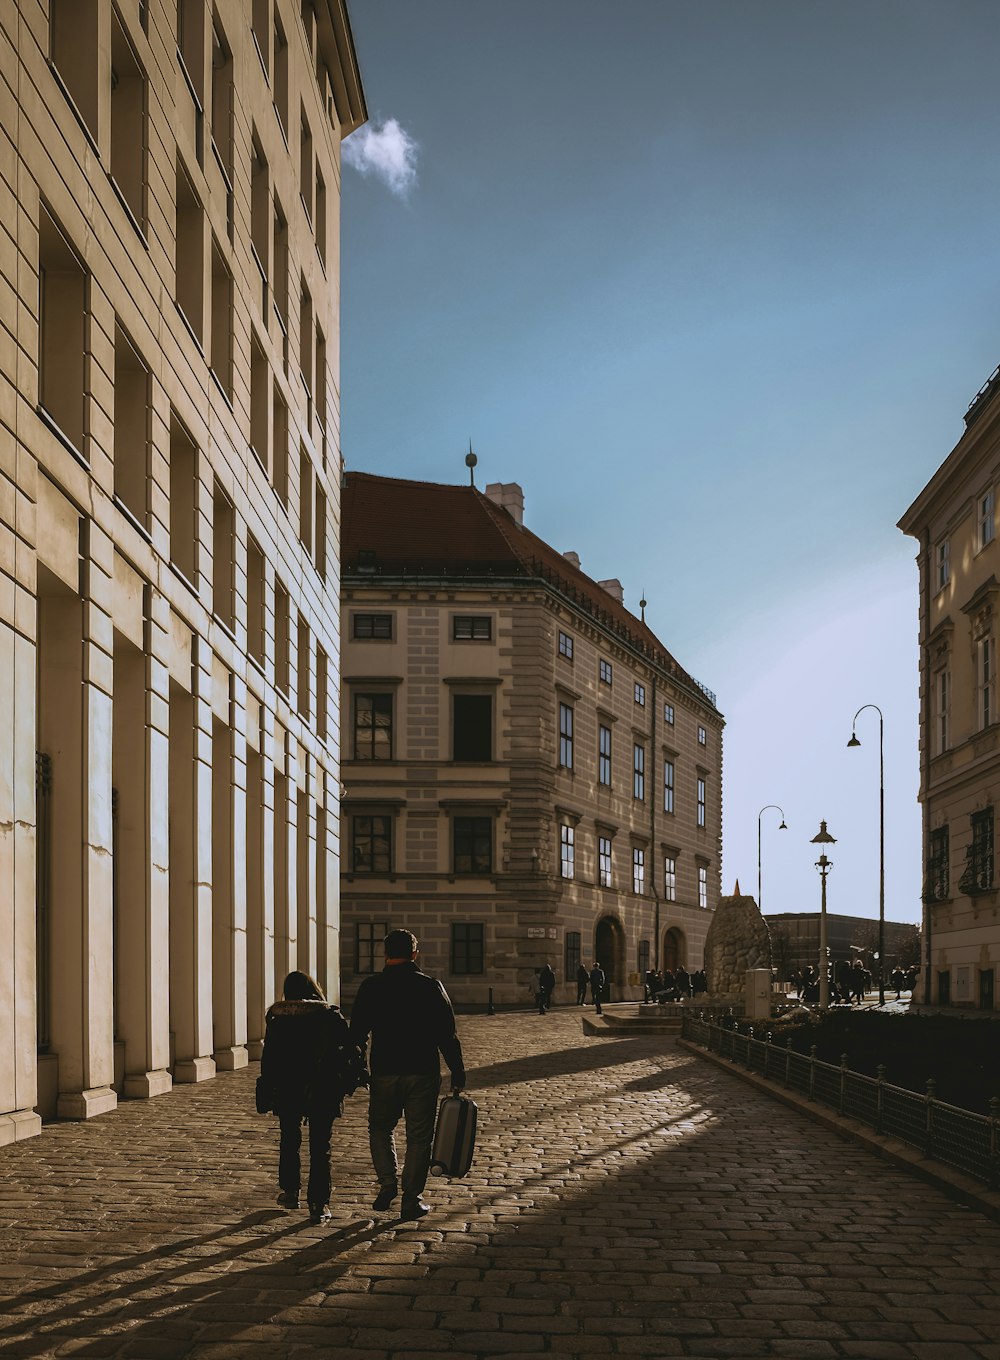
(169, 261)
(954, 520)
(530, 775)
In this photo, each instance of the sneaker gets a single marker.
(319, 1213)
(384, 1198)
(289, 1199)
(414, 1208)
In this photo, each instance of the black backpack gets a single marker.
(338, 1068)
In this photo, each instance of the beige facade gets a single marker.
(954, 520)
(529, 775)
(169, 451)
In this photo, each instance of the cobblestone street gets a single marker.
(627, 1199)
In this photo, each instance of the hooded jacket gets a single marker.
(307, 1049)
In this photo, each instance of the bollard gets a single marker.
(489, 1005)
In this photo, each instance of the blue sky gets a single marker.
(715, 282)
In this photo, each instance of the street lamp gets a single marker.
(881, 841)
(782, 827)
(824, 866)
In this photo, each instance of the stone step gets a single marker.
(629, 1027)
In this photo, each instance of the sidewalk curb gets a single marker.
(958, 1186)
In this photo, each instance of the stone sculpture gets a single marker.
(738, 940)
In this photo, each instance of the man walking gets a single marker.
(410, 1020)
(546, 986)
(597, 981)
(582, 981)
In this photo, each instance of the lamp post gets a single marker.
(881, 840)
(782, 827)
(824, 866)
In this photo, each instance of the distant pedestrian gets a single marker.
(597, 981)
(682, 982)
(858, 982)
(308, 1065)
(898, 979)
(546, 986)
(649, 985)
(582, 982)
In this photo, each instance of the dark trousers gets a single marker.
(412, 1097)
(544, 1001)
(289, 1163)
(596, 994)
(581, 993)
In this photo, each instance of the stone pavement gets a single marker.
(627, 1199)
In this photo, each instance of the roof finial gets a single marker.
(470, 462)
(642, 606)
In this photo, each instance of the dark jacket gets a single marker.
(307, 1046)
(597, 979)
(546, 979)
(410, 1020)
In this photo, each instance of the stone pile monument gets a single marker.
(738, 942)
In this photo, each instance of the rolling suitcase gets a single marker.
(454, 1136)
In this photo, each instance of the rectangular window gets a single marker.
(223, 558)
(279, 445)
(321, 560)
(640, 694)
(472, 726)
(606, 672)
(371, 845)
(668, 786)
(943, 564)
(702, 886)
(74, 49)
(131, 429)
(942, 700)
(668, 714)
(305, 500)
(638, 772)
(305, 165)
(184, 486)
(279, 284)
(572, 955)
(303, 655)
(321, 397)
(260, 218)
(62, 311)
(467, 948)
(473, 837)
(638, 870)
(669, 879)
(281, 78)
(255, 601)
(372, 627)
(567, 851)
(282, 642)
(702, 737)
(936, 883)
(643, 958)
(604, 863)
(368, 941)
(978, 875)
(191, 45)
(566, 646)
(604, 756)
(373, 727)
(987, 527)
(566, 736)
(701, 802)
(472, 627)
(306, 337)
(221, 358)
(322, 693)
(320, 217)
(984, 649)
(189, 256)
(260, 388)
(128, 123)
(222, 104)
(260, 22)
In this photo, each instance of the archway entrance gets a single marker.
(673, 949)
(609, 952)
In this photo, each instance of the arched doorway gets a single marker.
(609, 952)
(673, 949)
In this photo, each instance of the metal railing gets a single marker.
(958, 1138)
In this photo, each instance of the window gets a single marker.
(567, 852)
(62, 310)
(221, 360)
(279, 445)
(260, 386)
(260, 23)
(306, 165)
(702, 886)
(987, 526)
(473, 838)
(604, 864)
(643, 958)
(472, 726)
(184, 486)
(373, 627)
(322, 693)
(605, 672)
(320, 530)
(668, 714)
(702, 737)
(640, 694)
(189, 259)
(668, 786)
(191, 45)
(373, 727)
(320, 216)
(303, 655)
(321, 402)
(281, 77)
(128, 124)
(222, 105)
(371, 845)
(282, 627)
(566, 646)
(368, 940)
(936, 882)
(604, 756)
(472, 628)
(131, 429)
(978, 875)
(73, 46)
(638, 870)
(571, 955)
(639, 772)
(467, 948)
(260, 217)
(701, 802)
(943, 564)
(566, 736)
(984, 648)
(279, 284)
(255, 601)
(669, 879)
(306, 337)
(305, 500)
(223, 558)
(942, 700)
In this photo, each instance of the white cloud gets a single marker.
(386, 151)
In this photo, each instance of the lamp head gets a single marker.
(782, 827)
(854, 740)
(824, 837)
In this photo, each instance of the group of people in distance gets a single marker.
(313, 1058)
(675, 984)
(849, 982)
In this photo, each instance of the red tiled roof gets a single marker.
(427, 527)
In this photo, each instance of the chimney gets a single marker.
(509, 497)
(573, 559)
(614, 588)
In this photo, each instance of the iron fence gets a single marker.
(961, 1139)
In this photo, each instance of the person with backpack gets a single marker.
(308, 1065)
